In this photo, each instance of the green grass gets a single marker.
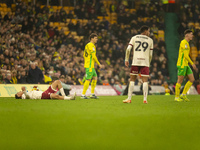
(106, 123)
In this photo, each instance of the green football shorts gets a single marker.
(184, 71)
(90, 72)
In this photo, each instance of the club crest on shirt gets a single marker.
(186, 46)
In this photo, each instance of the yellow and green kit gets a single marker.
(184, 59)
(90, 58)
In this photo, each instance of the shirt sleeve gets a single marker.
(151, 52)
(187, 57)
(151, 45)
(26, 95)
(94, 57)
(131, 42)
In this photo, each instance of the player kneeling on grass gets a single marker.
(142, 46)
(50, 93)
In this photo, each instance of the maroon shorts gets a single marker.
(143, 70)
(46, 94)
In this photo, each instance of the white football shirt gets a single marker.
(32, 95)
(143, 48)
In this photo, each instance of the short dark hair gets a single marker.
(187, 31)
(17, 97)
(93, 35)
(62, 77)
(144, 28)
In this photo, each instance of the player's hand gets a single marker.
(194, 67)
(126, 63)
(101, 66)
(23, 88)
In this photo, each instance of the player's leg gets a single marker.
(177, 88)
(56, 96)
(181, 75)
(57, 84)
(133, 75)
(93, 84)
(145, 88)
(145, 76)
(130, 88)
(188, 84)
(87, 82)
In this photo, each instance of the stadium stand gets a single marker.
(54, 37)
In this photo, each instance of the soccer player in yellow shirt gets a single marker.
(89, 60)
(183, 67)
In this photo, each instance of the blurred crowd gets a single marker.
(32, 51)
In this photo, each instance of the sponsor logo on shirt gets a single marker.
(141, 58)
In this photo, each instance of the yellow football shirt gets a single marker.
(90, 55)
(183, 57)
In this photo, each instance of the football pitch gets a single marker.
(102, 124)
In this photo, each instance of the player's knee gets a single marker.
(58, 82)
(192, 80)
(56, 96)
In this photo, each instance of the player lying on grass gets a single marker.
(50, 93)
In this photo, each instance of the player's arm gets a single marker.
(25, 93)
(84, 51)
(151, 53)
(94, 57)
(128, 51)
(96, 60)
(187, 56)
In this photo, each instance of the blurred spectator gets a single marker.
(113, 7)
(8, 79)
(35, 75)
(118, 88)
(47, 78)
(105, 82)
(14, 77)
(22, 77)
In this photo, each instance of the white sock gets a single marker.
(145, 90)
(130, 89)
(62, 92)
(67, 98)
